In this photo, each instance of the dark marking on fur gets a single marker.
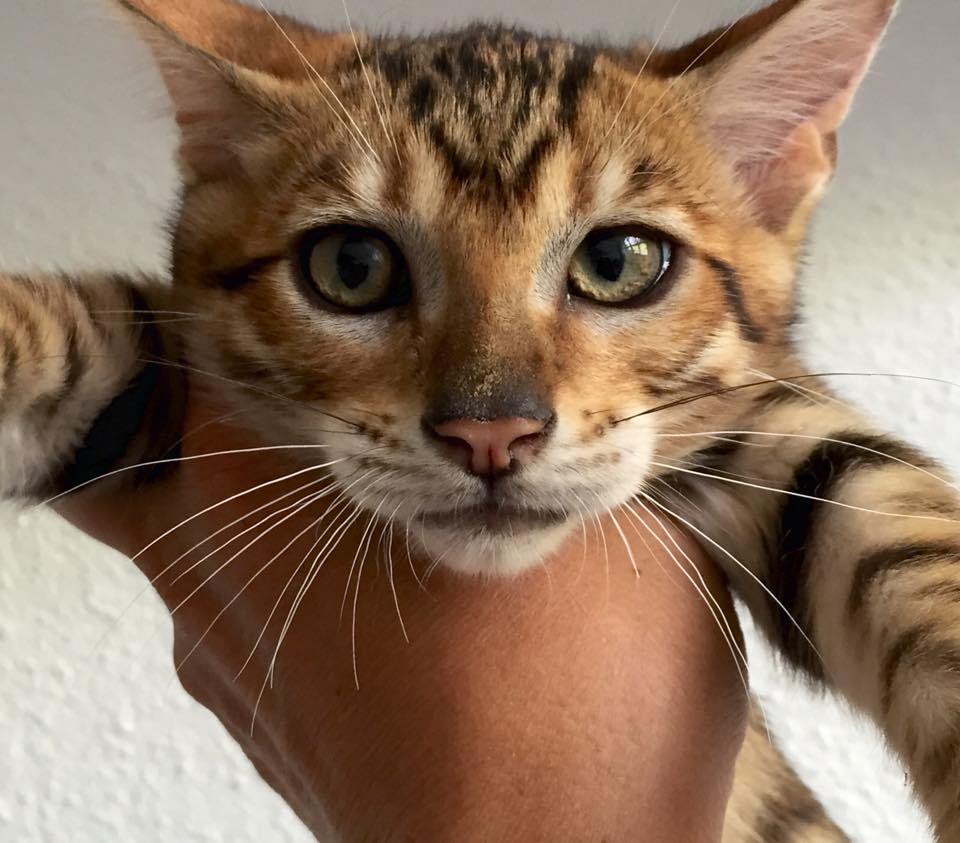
(422, 100)
(238, 277)
(918, 645)
(494, 79)
(534, 74)
(395, 64)
(442, 64)
(642, 173)
(486, 175)
(946, 590)
(778, 394)
(74, 367)
(461, 169)
(940, 762)
(733, 291)
(76, 364)
(717, 456)
(27, 328)
(787, 813)
(10, 362)
(689, 377)
(819, 476)
(525, 176)
(887, 560)
(108, 439)
(476, 71)
(575, 76)
(906, 646)
(143, 422)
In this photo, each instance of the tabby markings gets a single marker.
(888, 559)
(819, 476)
(238, 277)
(733, 291)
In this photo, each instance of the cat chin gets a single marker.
(487, 554)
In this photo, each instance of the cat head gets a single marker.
(474, 265)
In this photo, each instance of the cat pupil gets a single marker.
(609, 256)
(355, 261)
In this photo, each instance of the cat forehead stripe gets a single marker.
(491, 101)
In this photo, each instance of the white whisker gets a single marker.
(643, 67)
(243, 532)
(284, 509)
(390, 574)
(815, 396)
(810, 437)
(691, 526)
(170, 461)
(673, 83)
(356, 598)
(363, 67)
(413, 567)
(626, 544)
(319, 77)
(268, 678)
(365, 539)
(230, 499)
(316, 567)
(246, 585)
(841, 504)
(259, 390)
(712, 604)
(311, 499)
(155, 579)
(289, 582)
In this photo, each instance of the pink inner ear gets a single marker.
(212, 114)
(803, 69)
(211, 117)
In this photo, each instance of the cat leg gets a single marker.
(845, 544)
(769, 802)
(71, 349)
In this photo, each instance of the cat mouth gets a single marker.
(493, 517)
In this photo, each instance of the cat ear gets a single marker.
(776, 87)
(221, 106)
(246, 36)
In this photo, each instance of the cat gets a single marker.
(543, 278)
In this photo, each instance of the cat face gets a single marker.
(474, 266)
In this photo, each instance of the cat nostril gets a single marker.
(488, 443)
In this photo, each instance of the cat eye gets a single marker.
(617, 266)
(355, 269)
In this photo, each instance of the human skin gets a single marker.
(582, 701)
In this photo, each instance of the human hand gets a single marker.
(582, 701)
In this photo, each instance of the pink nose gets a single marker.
(489, 441)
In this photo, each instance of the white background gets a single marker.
(98, 742)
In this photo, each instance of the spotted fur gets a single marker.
(488, 154)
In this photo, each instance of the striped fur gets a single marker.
(487, 155)
(858, 541)
(769, 804)
(79, 391)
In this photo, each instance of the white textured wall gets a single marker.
(98, 742)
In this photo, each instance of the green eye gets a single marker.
(613, 266)
(357, 269)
